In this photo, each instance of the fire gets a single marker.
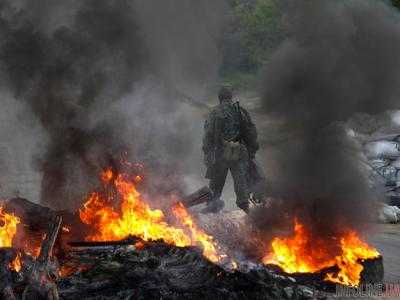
(206, 241)
(8, 228)
(299, 254)
(68, 269)
(32, 250)
(16, 264)
(107, 175)
(134, 217)
(139, 245)
(354, 250)
(304, 253)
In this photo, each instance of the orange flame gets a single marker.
(67, 269)
(8, 228)
(16, 264)
(304, 253)
(107, 175)
(135, 218)
(205, 240)
(32, 248)
(354, 250)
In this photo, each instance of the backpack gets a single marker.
(248, 131)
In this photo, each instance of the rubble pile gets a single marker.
(383, 158)
(61, 264)
(135, 270)
(234, 230)
(168, 272)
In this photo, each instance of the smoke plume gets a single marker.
(339, 58)
(90, 71)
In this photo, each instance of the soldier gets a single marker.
(229, 142)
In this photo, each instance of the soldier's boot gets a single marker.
(213, 206)
(244, 206)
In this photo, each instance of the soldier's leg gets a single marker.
(217, 180)
(239, 170)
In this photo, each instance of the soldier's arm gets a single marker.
(208, 136)
(250, 136)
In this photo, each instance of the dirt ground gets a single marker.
(386, 239)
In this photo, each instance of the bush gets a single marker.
(396, 3)
(254, 30)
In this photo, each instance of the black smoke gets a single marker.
(61, 70)
(339, 58)
(81, 67)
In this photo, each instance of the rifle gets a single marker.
(256, 177)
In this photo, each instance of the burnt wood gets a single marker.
(125, 242)
(200, 196)
(39, 284)
(6, 290)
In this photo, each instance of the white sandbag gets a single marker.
(397, 210)
(389, 214)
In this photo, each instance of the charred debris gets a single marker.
(64, 267)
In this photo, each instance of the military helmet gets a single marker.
(225, 92)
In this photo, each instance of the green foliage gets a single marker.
(243, 81)
(396, 3)
(261, 30)
(254, 31)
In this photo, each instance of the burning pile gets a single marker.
(306, 253)
(114, 221)
(8, 228)
(117, 213)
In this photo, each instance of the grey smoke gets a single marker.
(101, 77)
(339, 58)
(21, 139)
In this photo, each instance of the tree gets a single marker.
(396, 3)
(254, 30)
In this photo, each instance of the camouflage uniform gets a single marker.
(225, 123)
